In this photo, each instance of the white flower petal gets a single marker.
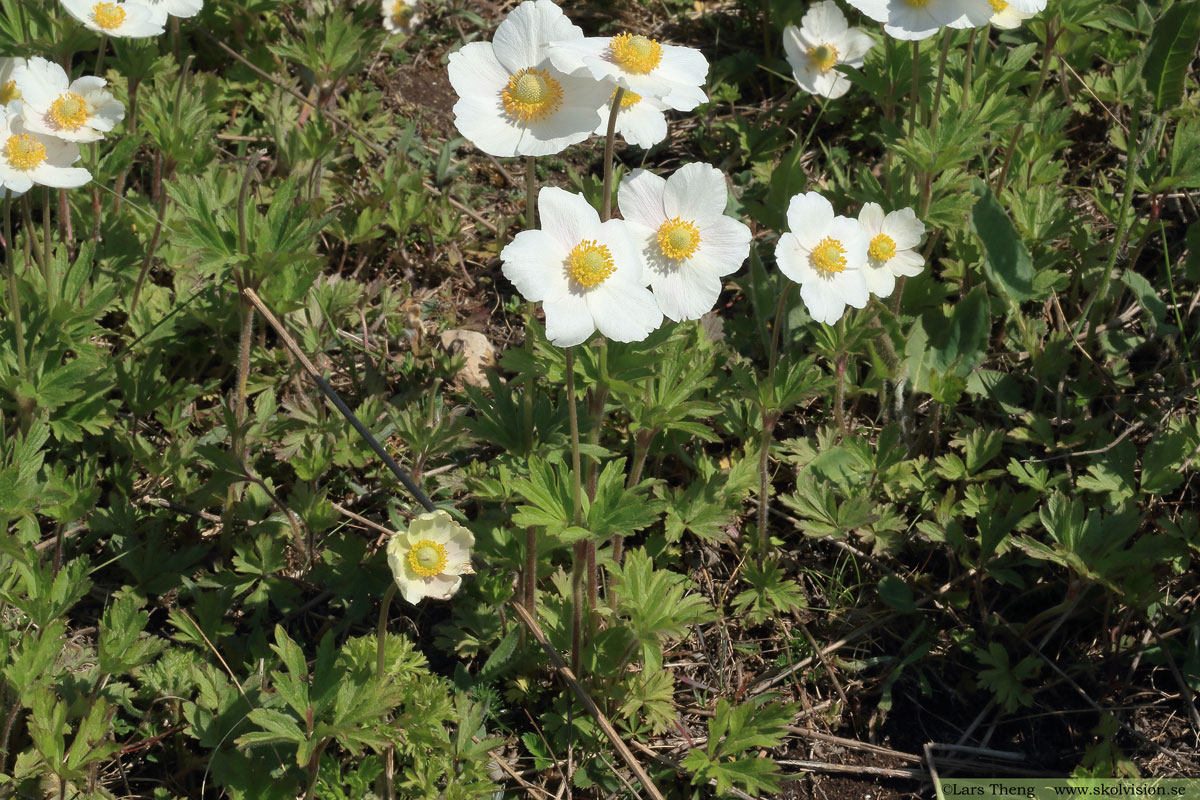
(906, 263)
(567, 217)
(624, 314)
(475, 72)
(871, 218)
(808, 216)
(568, 320)
(724, 244)
(696, 192)
(904, 228)
(880, 280)
(528, 263)
(824, 20)
(521, 39)
(687, 291)
(640, 198)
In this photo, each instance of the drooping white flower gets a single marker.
(826, 255)
(586, 274)
(823, 41)
(116, 18)
(1009, 15)
(640, 120)
(686, 241)
(8, 86)
(513, 102)
(920, 19)
(75, 111)
(161, 9)
(639, 64)
(28, 158)
(891, 246)
(430, 558)
(399, 16)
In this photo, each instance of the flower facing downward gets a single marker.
(116, 18)
(80, 111)
(826, 255)
(430, 558)
(27, 158)
(686, 241)
(640, 120)
(586, 274)
(8, 85)
(513, 102)
(637, 64)
(920, 19)
(399, 16)
(1009, 15)
(890, 249)
(823, 41)
(161, 9)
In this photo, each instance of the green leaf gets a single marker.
(1150, 302)
(964, 345)
(896, 593)
(1007, 261)
(1172, 48)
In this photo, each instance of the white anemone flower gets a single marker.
(1009, 15)
(8, 85)
(920, 19)
(687, 242)
(28, 158)
(826, 255)
(638, 64)
(129, 20)
(586, 274)
(399, 16)
(891, 249)
(640, 120)
(74, 111)
(430, 558)
(513, 102)
(823, 41)
(162, 9)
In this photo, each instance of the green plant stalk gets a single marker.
(1134, 153)
(596, 408)
(1175, 305)
(966, 86)
(33, 250)
(915, 103)
(769, 417)
(14, 297)
(150, 250)
(947, 33)
(314, 768)
(609, 138)
(47, 262)
(1047, 53)
(530, 577)
(579, 553)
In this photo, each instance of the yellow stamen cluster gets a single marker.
(918, 3)
(9, 92)
(402, 14)
(998, 5)
(427, 558)
(531, 95)
(882, 247)
(824, 57)
(828, 257)
(69, 112)
(635, 53)
(108, 16)
(628, 99)
(24, 152)
(590, 264)
(678, 238)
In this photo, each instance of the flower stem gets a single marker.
(580, 552)
(947, 33)
(916, 87)
(967, 67)
(14, 297)
(530, 576)
(381, 629)
(769, 417)
(610, 136)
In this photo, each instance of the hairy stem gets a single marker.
(770, 415)
(610, 136)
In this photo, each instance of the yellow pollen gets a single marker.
(635, 53)
(9, 92)
(427, 558)
(678, 238)
(69, 112)
(918, 3)
(823, 56)
(531, 94)
(24, 152)
(998, 5)
(109, 16)
(402, 14)
(628, 99)
(589, 264)
(882, 247)
(828, 257)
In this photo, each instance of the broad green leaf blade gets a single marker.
(1172, 48)
(1006, 261)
